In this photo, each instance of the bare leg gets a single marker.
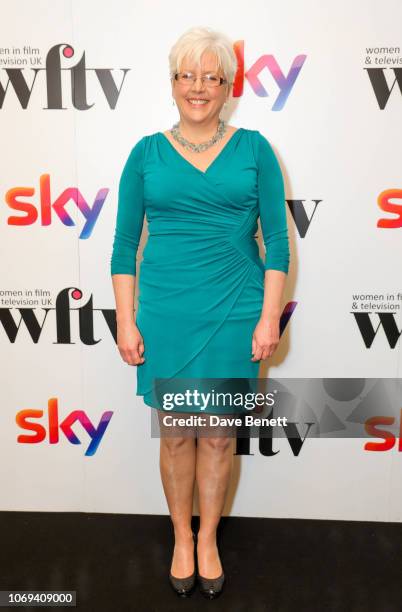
(213, 470)
(177, 468)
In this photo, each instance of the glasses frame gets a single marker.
(203, 80)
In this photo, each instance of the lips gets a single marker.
(197, 101)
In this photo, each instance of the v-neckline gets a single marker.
(216, 158)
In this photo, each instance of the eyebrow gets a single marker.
(205, 71)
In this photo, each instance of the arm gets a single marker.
(273, 222)
(129, 224)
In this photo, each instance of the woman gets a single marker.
(209, 307)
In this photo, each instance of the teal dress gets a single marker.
(201, 283)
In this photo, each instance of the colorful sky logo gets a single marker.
(45, 208)
(265, 62)
(27, 419)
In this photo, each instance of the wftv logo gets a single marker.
(53, 71)
(299, 215)
(386, 322)
(45, 206)
(25, 419)
(111, 90)
(62, 319)
(380, 86)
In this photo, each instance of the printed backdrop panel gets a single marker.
(80, 83)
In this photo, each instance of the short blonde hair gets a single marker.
(195, 41)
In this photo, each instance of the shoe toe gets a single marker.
(182, 586)
(211, 587)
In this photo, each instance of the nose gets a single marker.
(198, 84)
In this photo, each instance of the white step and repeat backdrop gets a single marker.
(80, 83)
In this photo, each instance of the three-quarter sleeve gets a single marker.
(272, 208)
(130, 214)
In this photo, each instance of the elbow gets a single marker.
(123, 263)
(124, 256)
(282, 265)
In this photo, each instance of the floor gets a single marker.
(120, 563)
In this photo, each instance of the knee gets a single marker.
(177, 445)
(218, 444)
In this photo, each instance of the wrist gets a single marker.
(126, 318)
(270, 316)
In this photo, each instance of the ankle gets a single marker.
(183, 535)
(207, 537)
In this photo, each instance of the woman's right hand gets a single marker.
(130, 343)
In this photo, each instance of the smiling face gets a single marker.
(196, 101)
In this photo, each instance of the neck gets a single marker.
(198, 132)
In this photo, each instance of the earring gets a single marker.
(173, 101)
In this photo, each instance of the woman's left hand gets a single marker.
(265, 339)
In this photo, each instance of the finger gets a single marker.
(135, 357)
(265, 353)
(253, 345)
(131, 356)
(141, 348)
(257, 354)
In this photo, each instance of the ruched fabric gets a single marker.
(201, 282)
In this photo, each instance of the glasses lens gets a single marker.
(211, 79)
(185, 77)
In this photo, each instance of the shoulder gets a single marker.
(135, 156)
(140, 147)
(264, 144)
(258, 143)
(142, 143)
(256, 139)
(137, 147)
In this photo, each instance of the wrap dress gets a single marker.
(201, 282)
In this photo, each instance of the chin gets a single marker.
(197, 117)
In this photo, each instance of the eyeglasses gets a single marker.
(211, 79)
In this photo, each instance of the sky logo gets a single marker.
(25, 419)
(265, 62)
(45, 208)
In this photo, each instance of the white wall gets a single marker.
(334, 144)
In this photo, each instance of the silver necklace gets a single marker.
(202, 146)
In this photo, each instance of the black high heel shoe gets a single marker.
(211, 587)
(184, 586)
